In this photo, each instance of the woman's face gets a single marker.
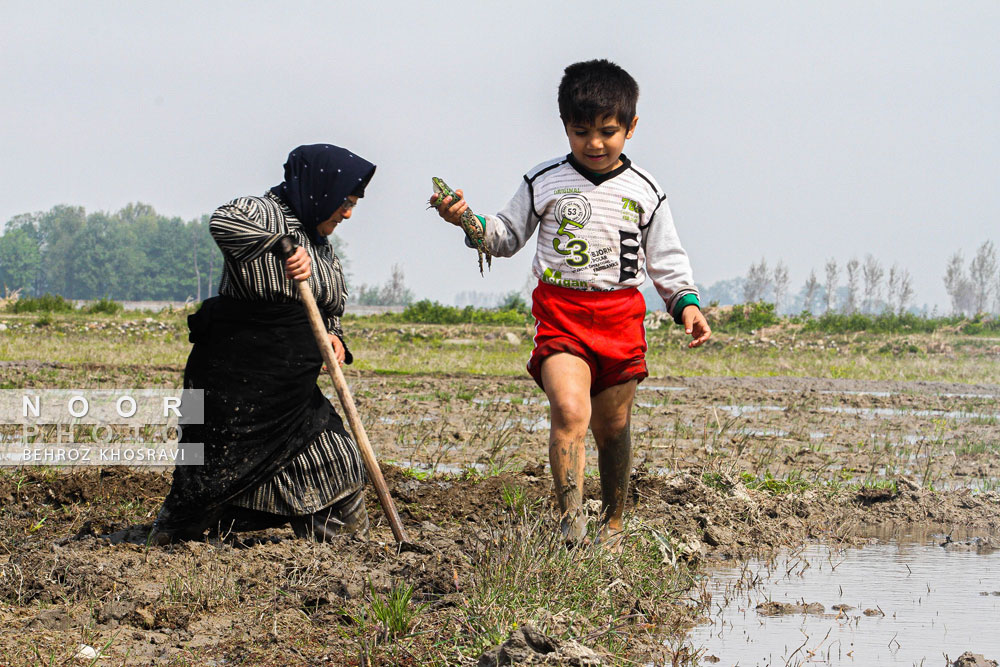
(343, 213)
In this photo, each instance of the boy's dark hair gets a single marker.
(596, 88)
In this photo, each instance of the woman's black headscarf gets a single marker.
(318, 179)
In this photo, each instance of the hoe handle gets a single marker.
(286, 248)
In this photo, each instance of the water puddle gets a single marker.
(405, 421)
(899, 602)
(984, 396)
(533, 424)
(896, 412)
(657, 387)
(424, 468)
(518, 401)
(738, 410)
(887, 394)
(763, 432)
(980, 484)
(445, 469)
(837, 392)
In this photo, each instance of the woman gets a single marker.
(275, 449)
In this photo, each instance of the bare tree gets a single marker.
(899, 290)
(954, 276)
(395, 292)
(873, 273)
(811, 287)
(853, 268)
(197, 273)
(211, 267)
(758, 282)
(982, 269)
(831, 284)
(905, 290)
(996, 295)
(892, 288)
(780, 285)
(957, 285)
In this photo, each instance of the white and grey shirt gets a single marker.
(597, 232)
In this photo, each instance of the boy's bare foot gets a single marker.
(611, 539)
(573, 526)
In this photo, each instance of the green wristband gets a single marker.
(684, 302)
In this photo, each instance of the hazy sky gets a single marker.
(795, 131)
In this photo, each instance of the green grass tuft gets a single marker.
(394, 612)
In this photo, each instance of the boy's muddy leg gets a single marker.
(611, 424)
(567, 385)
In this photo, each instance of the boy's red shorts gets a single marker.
(604, 329)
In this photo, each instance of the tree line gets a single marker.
(869, 289)
(136, 254)
(133, 254)
(865, 286)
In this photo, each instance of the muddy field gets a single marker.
(939, 435)
(726, 469)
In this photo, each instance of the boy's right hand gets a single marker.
(451, 209)
(695, 325)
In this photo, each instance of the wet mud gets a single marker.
(726, 470)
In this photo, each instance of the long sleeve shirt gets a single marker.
(596, 232)
(246, 230)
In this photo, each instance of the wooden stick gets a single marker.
(287, 247)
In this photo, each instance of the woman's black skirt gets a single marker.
(258, 364)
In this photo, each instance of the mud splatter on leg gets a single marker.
(614, 460)
(565, 459)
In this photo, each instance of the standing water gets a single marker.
(900, 602)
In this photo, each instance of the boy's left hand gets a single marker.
(695, 325)
(452, 208)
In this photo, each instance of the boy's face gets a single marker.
(597, 146)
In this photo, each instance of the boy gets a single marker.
(603, 224)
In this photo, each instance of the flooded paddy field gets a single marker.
(755, 497)
(900, 600)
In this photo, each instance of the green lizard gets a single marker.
(474, 228)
